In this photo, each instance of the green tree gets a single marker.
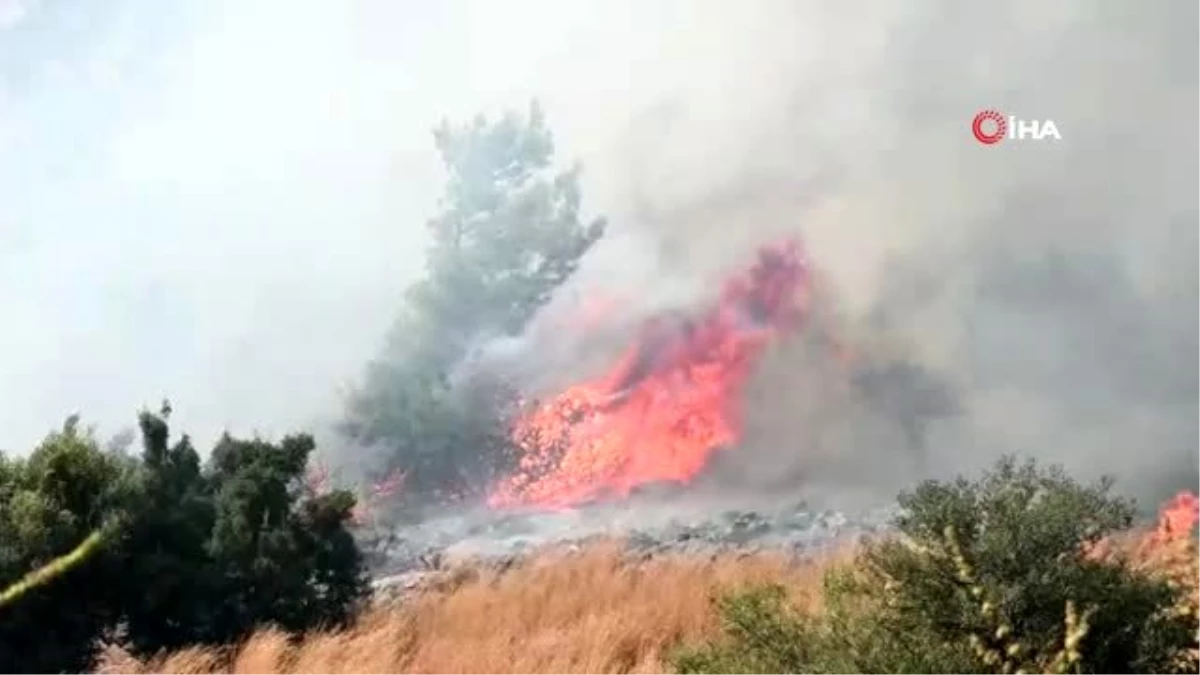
(168, 590)
(282, 554)
(243, 541)
(507, 234)
(176, 552)
(62, 494)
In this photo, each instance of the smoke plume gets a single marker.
(1029, 297)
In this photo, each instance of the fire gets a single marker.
(1178, 517)
(670, 402)
(318, 481)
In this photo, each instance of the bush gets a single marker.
(993, 575)
(176, 552)
(241, 541)
(66, 490)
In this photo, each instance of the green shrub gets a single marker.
(763, 634)
(176, 551)
(992, 575)
(62, 494)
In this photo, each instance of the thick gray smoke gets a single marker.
(1028, 297)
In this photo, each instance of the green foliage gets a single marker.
(763, 636)
(1010, 550)
(170, 579)
(991, 575)
(507, 234)
(509, 230)
(282, 555)
(189, 553)
(66, 490)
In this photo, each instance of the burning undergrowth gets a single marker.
(749, 382)
(645, 445)
(671, 401)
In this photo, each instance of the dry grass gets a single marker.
(582, 612)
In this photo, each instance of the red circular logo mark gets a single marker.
(999, 124)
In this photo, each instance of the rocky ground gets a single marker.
(410, 557)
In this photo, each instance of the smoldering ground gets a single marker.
(1034, 298)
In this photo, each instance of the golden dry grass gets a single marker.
(581, 612)
(562, 612)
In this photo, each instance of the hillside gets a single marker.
(597, 608)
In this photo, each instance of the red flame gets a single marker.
(666, 405)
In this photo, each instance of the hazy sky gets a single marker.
(220, 201)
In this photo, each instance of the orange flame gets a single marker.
(1178, 516)
(667, 404)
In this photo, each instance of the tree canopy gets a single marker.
(189, 552)
(508, 232)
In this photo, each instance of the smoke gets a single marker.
(1036, 298)
(240, 221)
